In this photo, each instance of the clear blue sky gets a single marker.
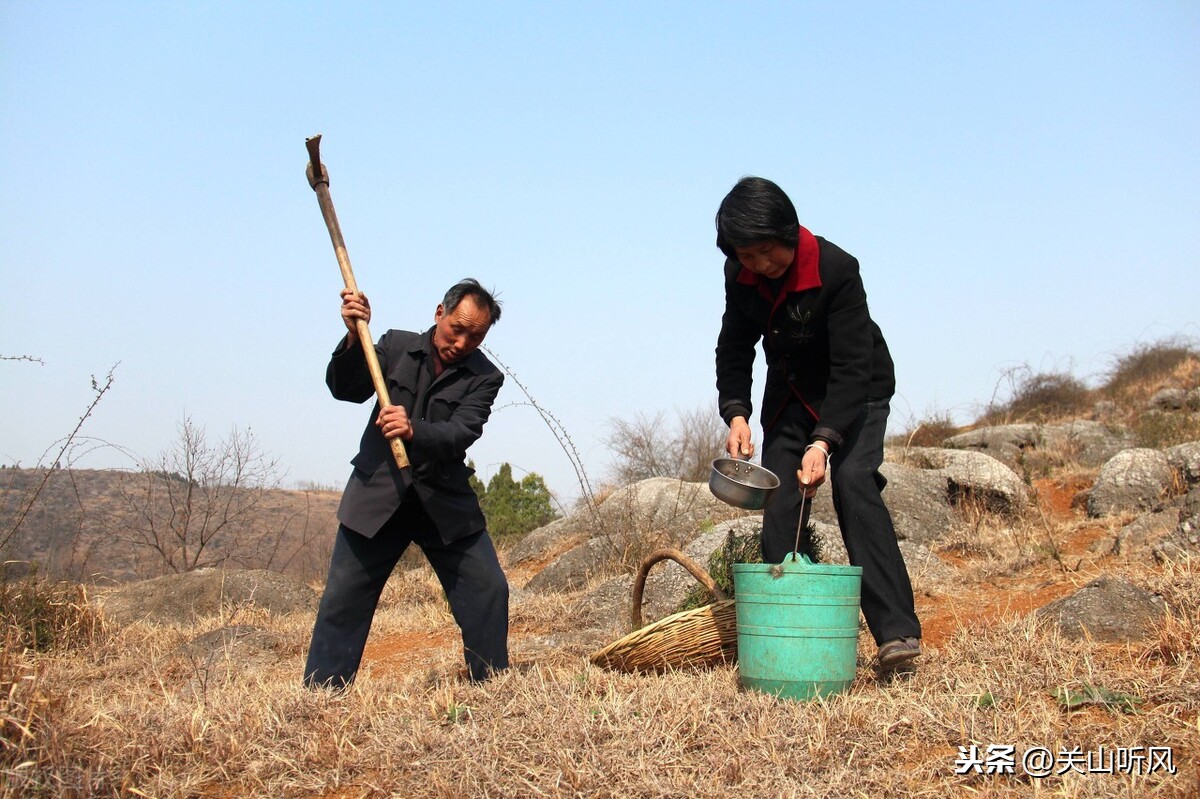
(1020, 182)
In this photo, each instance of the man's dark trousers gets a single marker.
(866, 524)
(358, 570)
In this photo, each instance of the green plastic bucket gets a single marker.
(797, 626)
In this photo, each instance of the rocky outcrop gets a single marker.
(1133, 480)
(1107, 609)
(1185, 460)
(658, 505)
(972, 476)
(1005, 443)
(1086, 442)
(182, 598)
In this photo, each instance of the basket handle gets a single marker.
(639, 583)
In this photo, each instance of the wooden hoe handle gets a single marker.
(318, 178)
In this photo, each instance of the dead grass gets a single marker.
(127, 715)
(125, 712)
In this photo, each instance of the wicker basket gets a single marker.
(696, 638)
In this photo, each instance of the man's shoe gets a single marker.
(897, 652)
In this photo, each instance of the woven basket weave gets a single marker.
(697, 638)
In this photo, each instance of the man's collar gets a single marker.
(803, 274)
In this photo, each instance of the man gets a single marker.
(441, 389)
(829, 383)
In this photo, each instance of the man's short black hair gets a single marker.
(469, 287)
(755, 210)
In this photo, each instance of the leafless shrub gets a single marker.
(26, 503)
(1040, 397)
(648, 446)
(931, 431)
(1140, 370)
(193, 506)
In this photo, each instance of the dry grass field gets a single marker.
(1000, 705)
(125, 712)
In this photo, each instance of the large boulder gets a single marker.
(972, 476)
(1140, 538)
(656, 507)
(575, 568)
(1132, 480)
(605, 607)
(241, 645)
(1107, 609)
(1185, 460)
(1168, 399)
(1183, 542)
(659, 508)
(661, 505)
(548, 541)
(919, 501)
(1005, 443)
(1085, 442)
(182, 598)
(669, 583)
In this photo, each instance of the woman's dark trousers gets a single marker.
(866, 524)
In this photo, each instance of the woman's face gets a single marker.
(767, 258)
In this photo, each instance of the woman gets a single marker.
(830, 379)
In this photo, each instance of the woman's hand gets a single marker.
(739, 443)
(812, 467)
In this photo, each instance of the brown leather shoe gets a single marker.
(897, 652)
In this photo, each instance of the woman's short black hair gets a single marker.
(755, 210)
(469, 287)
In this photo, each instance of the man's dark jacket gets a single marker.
(447, 416)
(822, 347)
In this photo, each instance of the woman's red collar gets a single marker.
(803, 274)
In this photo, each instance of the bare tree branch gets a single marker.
(99, 390)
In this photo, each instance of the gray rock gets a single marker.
(1107, 609)
(1139, 538)
(973, 475)
(1085, 442)
(1193, 399)
(573, 569)
(830, 547)
(925, 569)
(182, 598)
(1134, 479)
(545, 541)
(606, 606)
(1168, 399)
(547, 646)
(1184, 540)
(657, 508)
(661, 504)
(919, 501)
(242, 644)
(669, 584)
(1005, 442)
(1185, 459)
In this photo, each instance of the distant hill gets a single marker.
(85, 523)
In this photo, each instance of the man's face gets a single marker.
(460, 332)
(767, 258)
